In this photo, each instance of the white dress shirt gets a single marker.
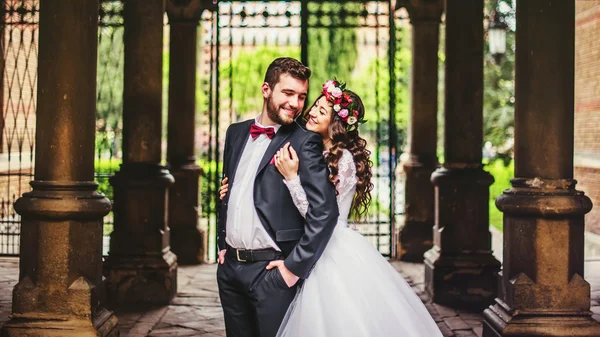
(244, 228)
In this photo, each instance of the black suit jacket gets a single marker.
(302, 241)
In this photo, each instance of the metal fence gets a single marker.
(109, 102)
(357, 41)
(352, 40)
(18, 66)
(19, 45)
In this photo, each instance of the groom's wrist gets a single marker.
(292, 268)
(290, 278)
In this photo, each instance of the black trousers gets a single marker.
(254, 299)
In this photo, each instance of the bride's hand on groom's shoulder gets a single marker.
(286, 161)
(289, 277)
(224, 188)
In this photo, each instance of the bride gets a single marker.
(352, 290)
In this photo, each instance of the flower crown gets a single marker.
(336, 93)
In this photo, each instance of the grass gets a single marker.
(502, 175)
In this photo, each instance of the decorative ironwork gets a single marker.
(238, 40)
(400, 61)
(356, 41)
(111, 13)
(109, 101)
(18, 66)
(242, 37)
(19, 41)
(239, 37)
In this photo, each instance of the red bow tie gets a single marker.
(256, 131)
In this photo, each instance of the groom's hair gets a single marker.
(286, 65)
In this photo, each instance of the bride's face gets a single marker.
(320, 117)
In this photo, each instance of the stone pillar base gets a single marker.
(104, 324)
(58, 292)
(502, 322)
(140, 267)
(543, 291)
(467, 281)
(416, 236)
(414, 240)
(188, 241)
(189, 245)
(141, 279)
(460, 270)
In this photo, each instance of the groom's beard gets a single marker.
(275, 116)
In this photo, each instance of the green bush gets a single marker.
(502, 175)
(104, 169)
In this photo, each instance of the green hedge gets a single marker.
(502, 174)
(104, 169)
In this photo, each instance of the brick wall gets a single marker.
(587, 105)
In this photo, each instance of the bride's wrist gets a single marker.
(291, 177)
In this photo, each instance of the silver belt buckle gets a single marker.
(237, 254)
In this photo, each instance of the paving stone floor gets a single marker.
(196, 310)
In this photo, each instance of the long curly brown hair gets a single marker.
(351, 141)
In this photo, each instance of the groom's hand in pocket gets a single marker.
(222, 256)
(289, 277)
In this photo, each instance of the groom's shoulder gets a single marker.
(306, 139)
(238, 126)
(241, 124)
(301, 131)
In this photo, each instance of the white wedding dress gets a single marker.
(353, 291)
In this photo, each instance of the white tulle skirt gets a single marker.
(354, 292)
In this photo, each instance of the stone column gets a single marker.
(543, 291)
(60, 279)
(140, 266)
(188, 241)
(460, 270)
(416, 235)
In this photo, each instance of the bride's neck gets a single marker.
(327, 144)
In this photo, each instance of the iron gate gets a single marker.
(18, 65)
(109, 102)
(352, 40)
(18, 96)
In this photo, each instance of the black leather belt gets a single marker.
(246, 255)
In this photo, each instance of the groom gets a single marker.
(258, 222)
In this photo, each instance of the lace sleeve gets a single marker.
(298, 195)
(345, 185)
(346, 175)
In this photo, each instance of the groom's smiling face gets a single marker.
(286, 99)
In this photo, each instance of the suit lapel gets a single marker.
(284, 132)
(238, 146)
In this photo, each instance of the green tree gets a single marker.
(332, 43)
(498, 109)
(109, 99)
(498, 99)
(241, 78)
